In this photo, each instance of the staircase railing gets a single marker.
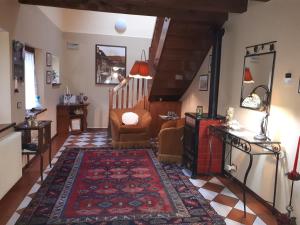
(130, 93)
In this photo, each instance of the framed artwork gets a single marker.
(110, 64)
(203, 82)
(49, 77)
(48, 59)
(299, 86)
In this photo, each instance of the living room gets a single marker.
(68, 39)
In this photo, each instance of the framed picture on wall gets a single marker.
(299, 86)
(48, 59)
(203, 82)
(48, 77)
(110, 64)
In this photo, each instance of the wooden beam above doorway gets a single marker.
(197, 10)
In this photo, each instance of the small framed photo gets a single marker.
(49, 77)
(203, 82)
(48, 59)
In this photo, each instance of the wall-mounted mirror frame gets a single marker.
(256, 88)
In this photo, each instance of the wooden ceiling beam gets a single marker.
(136, 7)
(235, 6)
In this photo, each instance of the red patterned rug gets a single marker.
(104, 186)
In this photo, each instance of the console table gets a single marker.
(244, 141)
(66, 113)
(43, 128)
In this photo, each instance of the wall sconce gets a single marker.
(254, 101)
(265, 104)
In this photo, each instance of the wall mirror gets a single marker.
(257, 79)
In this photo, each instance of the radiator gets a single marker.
(10, 161)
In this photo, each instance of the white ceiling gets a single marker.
(90, 22)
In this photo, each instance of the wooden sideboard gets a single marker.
(65, 114)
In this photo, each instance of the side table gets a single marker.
(44, 140)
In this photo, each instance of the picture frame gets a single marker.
(299, 86)
(49, 77)
(203, 82)
(110, 64)
(48, 59)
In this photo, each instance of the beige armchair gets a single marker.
(170, 141)
(124, 136)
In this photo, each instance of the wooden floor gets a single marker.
(10, 202)
(15, 196)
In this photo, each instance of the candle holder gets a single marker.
(293, 176)
(286, 219)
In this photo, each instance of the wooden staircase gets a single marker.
(177, 51)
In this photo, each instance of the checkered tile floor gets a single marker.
(220, 197)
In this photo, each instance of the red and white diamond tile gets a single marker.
(87, 140)
(224, 202)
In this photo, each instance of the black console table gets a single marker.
(244, 141)
(43, 129)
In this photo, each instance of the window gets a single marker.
(30, 79)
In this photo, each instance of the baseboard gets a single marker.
(256, 196)
(54, 137)
(97, 129)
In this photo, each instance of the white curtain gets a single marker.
(30, 81)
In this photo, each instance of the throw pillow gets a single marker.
(130, 118)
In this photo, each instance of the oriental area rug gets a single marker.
(109, 187)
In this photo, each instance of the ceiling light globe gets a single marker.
(120, 26)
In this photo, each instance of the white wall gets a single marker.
(29, 25)
(91, 22)
(36, 30)
(5, 77)
(193, 97)
(80, 70)
(279, 21)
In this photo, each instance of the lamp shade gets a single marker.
(140, 69)
(248, 76)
